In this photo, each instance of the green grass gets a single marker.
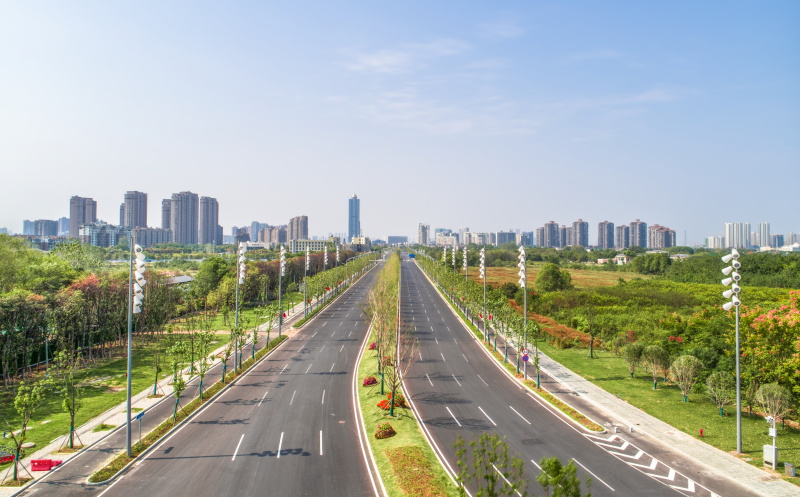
(103, 427)
(611, 373)
(406, 461)
(104, 387)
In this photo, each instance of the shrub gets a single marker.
(373, 346)
(399, 401)
(384, 404)
(384, 430)
(369, 380)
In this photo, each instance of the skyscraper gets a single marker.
(133, 211)
(208, 221)
(166, 214)
(423, 234)
(354, 217)
(550, 235)
(605, 235)
(737, 235)
(580, 233)
(184, 217)
(660, 237)
(81, 211)
(622, 236)
(764, 234)
(45, 227)
(638, 234)
(298, 228)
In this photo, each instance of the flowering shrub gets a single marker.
(373, 346)
(369, 380)
(384, 404)
(399, 401)
(384, 430)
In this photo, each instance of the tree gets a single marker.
(28, 399)
(562, 479)
(721, 387)
(71, 391)
(655, 359)
(206, 360)
(775, 400)
(488, 466)
(685, 370)
(632, 353)
(552, 279)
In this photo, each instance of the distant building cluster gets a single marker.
(740, 235)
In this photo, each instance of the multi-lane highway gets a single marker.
(459, 391)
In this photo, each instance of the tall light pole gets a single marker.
(523, 279)
(483, 277)
(732, 280)
(135, 296)
(305, 281)
(444, 255)
(466, 281)
(337, 268)
(280, 289)
(455, 249)
(241, 269)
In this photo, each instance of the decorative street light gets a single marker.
(523, 278)
(466, 281)
(305, 279)
(280, 289)
(337, 268)
(732, 280)
(455, 249)
(483, 277)
(135, 296)
(241, 269)
(444, 255)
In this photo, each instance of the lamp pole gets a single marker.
(732, 280)
(135, 296)
(305, 280)
(241, 268)
(280, 289)
(523, 278)
(466, 281)
(483, 277)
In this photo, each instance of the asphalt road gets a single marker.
(287, 428)
(458, 390)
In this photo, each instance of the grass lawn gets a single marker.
(104, 387)
(611, 373)
(406, 461)
(248, 316)
(581, 278)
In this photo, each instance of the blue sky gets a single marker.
(491, 115)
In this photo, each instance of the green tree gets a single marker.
(28, 399)
(71, 391)
(487, 466)
(562, 480)
(632, 354)
(685, 370)
(775, 400)
(721, 388)
(656, 359)
(552, 279)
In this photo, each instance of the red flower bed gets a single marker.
(369, 380)
(384, 430)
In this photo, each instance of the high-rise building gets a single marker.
(776, 240)
(396, 240)
(45, 227)
(503, 237)
(638, 234)
(184, 207)
(763, 234)
(660, 237)
(622, 235)
(605, 235)
(208, 220)
(166, 214)
(715, 242)
(423, 234)
(549, 236)
(81, 211)
(525, 239)
(354, 217)
(298, 228)
(147, 237)
(27, 227)
(133, 211)
(564, 235)
(579, 234)
(63, 226)
(101, 234)
(737, 235)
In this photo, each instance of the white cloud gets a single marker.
(406, 58)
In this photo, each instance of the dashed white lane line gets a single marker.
(534, 463)
(484, 381)
(284, 367)
(487, 416)
(420, 355)
(437, 340)
(451, 414)
(309, 367)
(445, 360)
(320, 442)
(323, 398)
(332, 365)
(504, 478)
(595, 476)
(315, 334)
(429, 379)
(280, 444)
(323, 324)
(520, 415)
(350, 333)
(465, 357)
(454, 377)
(342, 348)
(293, 394)
(237, 447)
(323, 348)
(263, 397)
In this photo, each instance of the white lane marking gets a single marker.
(264, 397)
(503, 477)
(320, 442)
(484, 381)
(420, 355)
(451, 413)
(332, 365)
(333, 334)
(429, 319)
(431, 328)
(280, 444)
(454, 377)
(445, 360)
(237, 447)
(534, 463)
(595, 476)
(323, 348)
(323, 397)
(315, 334)
(454, 341)
(437, 340)
(323, 324)
(487, 416)
(341, 349)
(429, 379)
(309, 367)
(350, 333)
(465, 357)
(284, 367)
(520, 415)
(292, 401)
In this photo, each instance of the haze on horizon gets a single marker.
(453, 114)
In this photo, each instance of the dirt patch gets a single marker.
(115, 389)
(413, 472)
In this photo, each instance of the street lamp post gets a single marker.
(483, 277)
(280, 289)
(466, 282)
(305, 281)
(241, 269)
(732, 280)
(135, 296)
(523, 278)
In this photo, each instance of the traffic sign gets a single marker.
(525, 358)
(525, 352)
(139, 416)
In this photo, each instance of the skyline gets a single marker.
(683, 115)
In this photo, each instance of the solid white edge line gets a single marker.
(520, 415)
(237, 447)
(597, 477)
(454, 417)
(487, 416)
(534, 463)
(280, 444)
